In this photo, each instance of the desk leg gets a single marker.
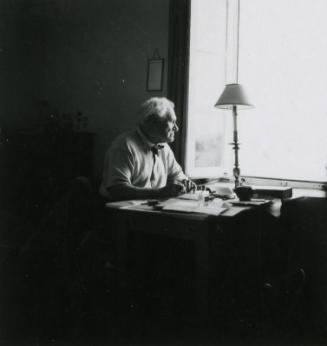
(121, 235)
(202, 273)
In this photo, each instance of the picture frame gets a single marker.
(155, 75)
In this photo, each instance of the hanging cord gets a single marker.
(226, 41)
(238, 38)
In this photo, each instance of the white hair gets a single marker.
(156, 108)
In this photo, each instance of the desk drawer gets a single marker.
(173, 227)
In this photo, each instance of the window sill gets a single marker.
(295, 184)
(308, 193)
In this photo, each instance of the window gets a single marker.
(281, 62)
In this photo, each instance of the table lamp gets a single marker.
(233, 97)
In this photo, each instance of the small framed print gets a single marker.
(155, 75)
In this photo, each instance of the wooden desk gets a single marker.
(203, 230)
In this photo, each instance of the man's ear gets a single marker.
(156, 122)
(151, 119)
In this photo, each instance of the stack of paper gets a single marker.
(191, 206)
(194, 196)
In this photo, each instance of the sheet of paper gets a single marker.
(194, 196)
(234, 211)
(124, 204)
(189, 206)
(141, 207)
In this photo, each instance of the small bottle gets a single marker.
(201, 197)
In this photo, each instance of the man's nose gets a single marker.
(176, 128)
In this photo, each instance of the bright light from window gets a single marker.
(282, 64)
(206, 140)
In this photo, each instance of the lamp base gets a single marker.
(244, 193)
(236, 173)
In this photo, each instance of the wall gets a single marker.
(22, 52)
(91, 56)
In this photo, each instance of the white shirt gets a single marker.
(130, 161)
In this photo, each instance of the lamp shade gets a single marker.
(233, 95)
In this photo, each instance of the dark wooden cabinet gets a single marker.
(60, 155)
(38, 164)
(305, 220)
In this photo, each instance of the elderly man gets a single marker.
(140, 164)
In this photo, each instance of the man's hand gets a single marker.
(176, 188)
(190, 186)
(172, 189)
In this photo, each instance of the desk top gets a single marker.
(202, 213)
(144, 206)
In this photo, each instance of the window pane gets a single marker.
(282, 64)
(206, 142)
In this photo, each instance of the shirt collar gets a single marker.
(148, 144)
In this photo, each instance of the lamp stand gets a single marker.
(232, 97)
(236, 146)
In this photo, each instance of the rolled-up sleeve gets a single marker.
(118, 167)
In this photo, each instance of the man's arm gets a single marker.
(175, 172)
(125, 191)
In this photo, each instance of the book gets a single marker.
(252, 203)
(281, 192)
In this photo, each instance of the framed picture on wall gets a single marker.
(155, 75)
